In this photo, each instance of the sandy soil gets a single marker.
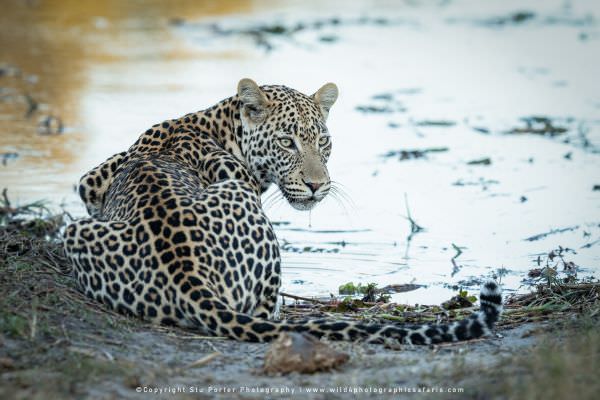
(135, 360)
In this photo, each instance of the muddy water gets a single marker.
(507, 93)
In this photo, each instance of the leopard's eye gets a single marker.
(324, 141)
(287, 143)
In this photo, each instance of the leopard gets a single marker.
(177, 234)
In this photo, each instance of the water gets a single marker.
(453, 75)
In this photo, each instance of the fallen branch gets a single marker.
(293, 296)
(203, 361)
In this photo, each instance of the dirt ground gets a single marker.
(126, 361)
(57, 344)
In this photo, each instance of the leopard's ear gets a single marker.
(325, 97)
(254, 102)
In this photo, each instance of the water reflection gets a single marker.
(48, 49)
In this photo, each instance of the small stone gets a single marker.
(300, 352)
(6, 363)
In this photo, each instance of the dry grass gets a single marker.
(42, 314)
(555, 300)
(564, 364)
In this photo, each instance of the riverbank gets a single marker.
(55, 343)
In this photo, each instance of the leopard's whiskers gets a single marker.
(339, 189)
(335, 196)
(271, 198)
(342, 198)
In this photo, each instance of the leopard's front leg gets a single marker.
(94, 184)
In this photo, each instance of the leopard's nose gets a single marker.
(313, 186)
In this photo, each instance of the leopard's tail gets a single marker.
(476, 325)
(244, 327)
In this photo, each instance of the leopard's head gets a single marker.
(285, 140)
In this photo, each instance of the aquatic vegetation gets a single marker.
(412, 154)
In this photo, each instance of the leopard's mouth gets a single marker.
(301, 198)
(302, 203)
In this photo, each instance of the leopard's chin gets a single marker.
(303, 205)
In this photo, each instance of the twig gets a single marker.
(33, 320)
(458, 251)
(414, 227)
(449, 344)
(455, 266)
(293, 296)
(90, 352)
(191, 337)
(100, 339)
(64, 329)
(203, 361)
(5, 201)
